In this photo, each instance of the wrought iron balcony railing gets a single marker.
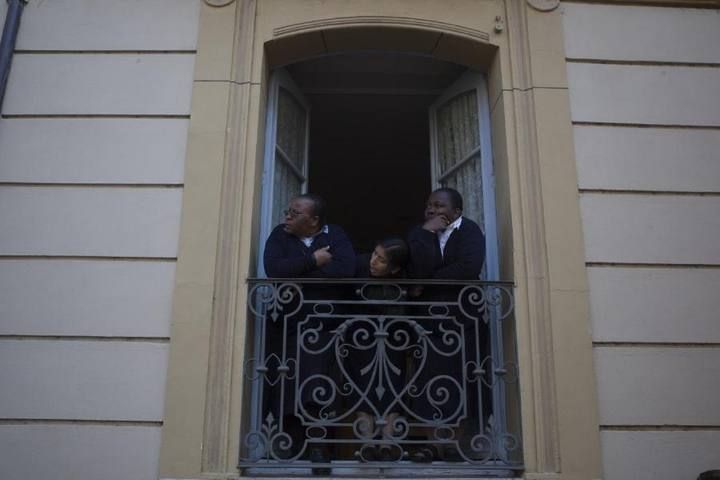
(381, 377)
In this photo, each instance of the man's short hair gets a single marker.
(318, 206)
(456, 199)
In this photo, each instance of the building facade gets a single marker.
(133, 204)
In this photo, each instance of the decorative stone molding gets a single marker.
(542, 449)
(664, 3)
(499, 24)
(544, 5)
(375, 21)
(218, 3)
(541, 423)
(216, 457)
(221, 401)
(543, 476)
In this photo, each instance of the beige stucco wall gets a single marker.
(92, 148)
(645, 90)
(522, 51)
(94, 197)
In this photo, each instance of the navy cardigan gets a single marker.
(286, 256)
(464, 253)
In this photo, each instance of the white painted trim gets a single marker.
(476, 81)
(268, 170)
(434, 174)
(279, 78)
(467, 81)
(468, 156)
(492, 256)
(473, 81)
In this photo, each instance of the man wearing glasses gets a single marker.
(306, 246)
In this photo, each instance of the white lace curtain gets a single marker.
(458, 144)
(290, 151)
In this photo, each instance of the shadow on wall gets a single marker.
(709, 475)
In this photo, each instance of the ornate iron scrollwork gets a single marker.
(378, 379)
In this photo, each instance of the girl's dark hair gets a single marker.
(396, 250)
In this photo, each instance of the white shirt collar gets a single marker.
(309, 240)
(445, 234)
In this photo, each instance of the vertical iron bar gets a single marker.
(258, 384)
(479, 379)
(498, 360)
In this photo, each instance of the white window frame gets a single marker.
(280, 78)
(473, 81)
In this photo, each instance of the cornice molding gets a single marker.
(655, 3)
(543, 476)
(218, 3)
(380, 21)
(544, 5)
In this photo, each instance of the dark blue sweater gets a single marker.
(464, 253)
(286, 256)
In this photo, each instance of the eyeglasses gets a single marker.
(292, 213)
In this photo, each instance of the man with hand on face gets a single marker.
(448, 245)
(305, 246)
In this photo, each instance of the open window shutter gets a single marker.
(462, 156)
(286, 151)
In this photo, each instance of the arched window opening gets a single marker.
(374, 133)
